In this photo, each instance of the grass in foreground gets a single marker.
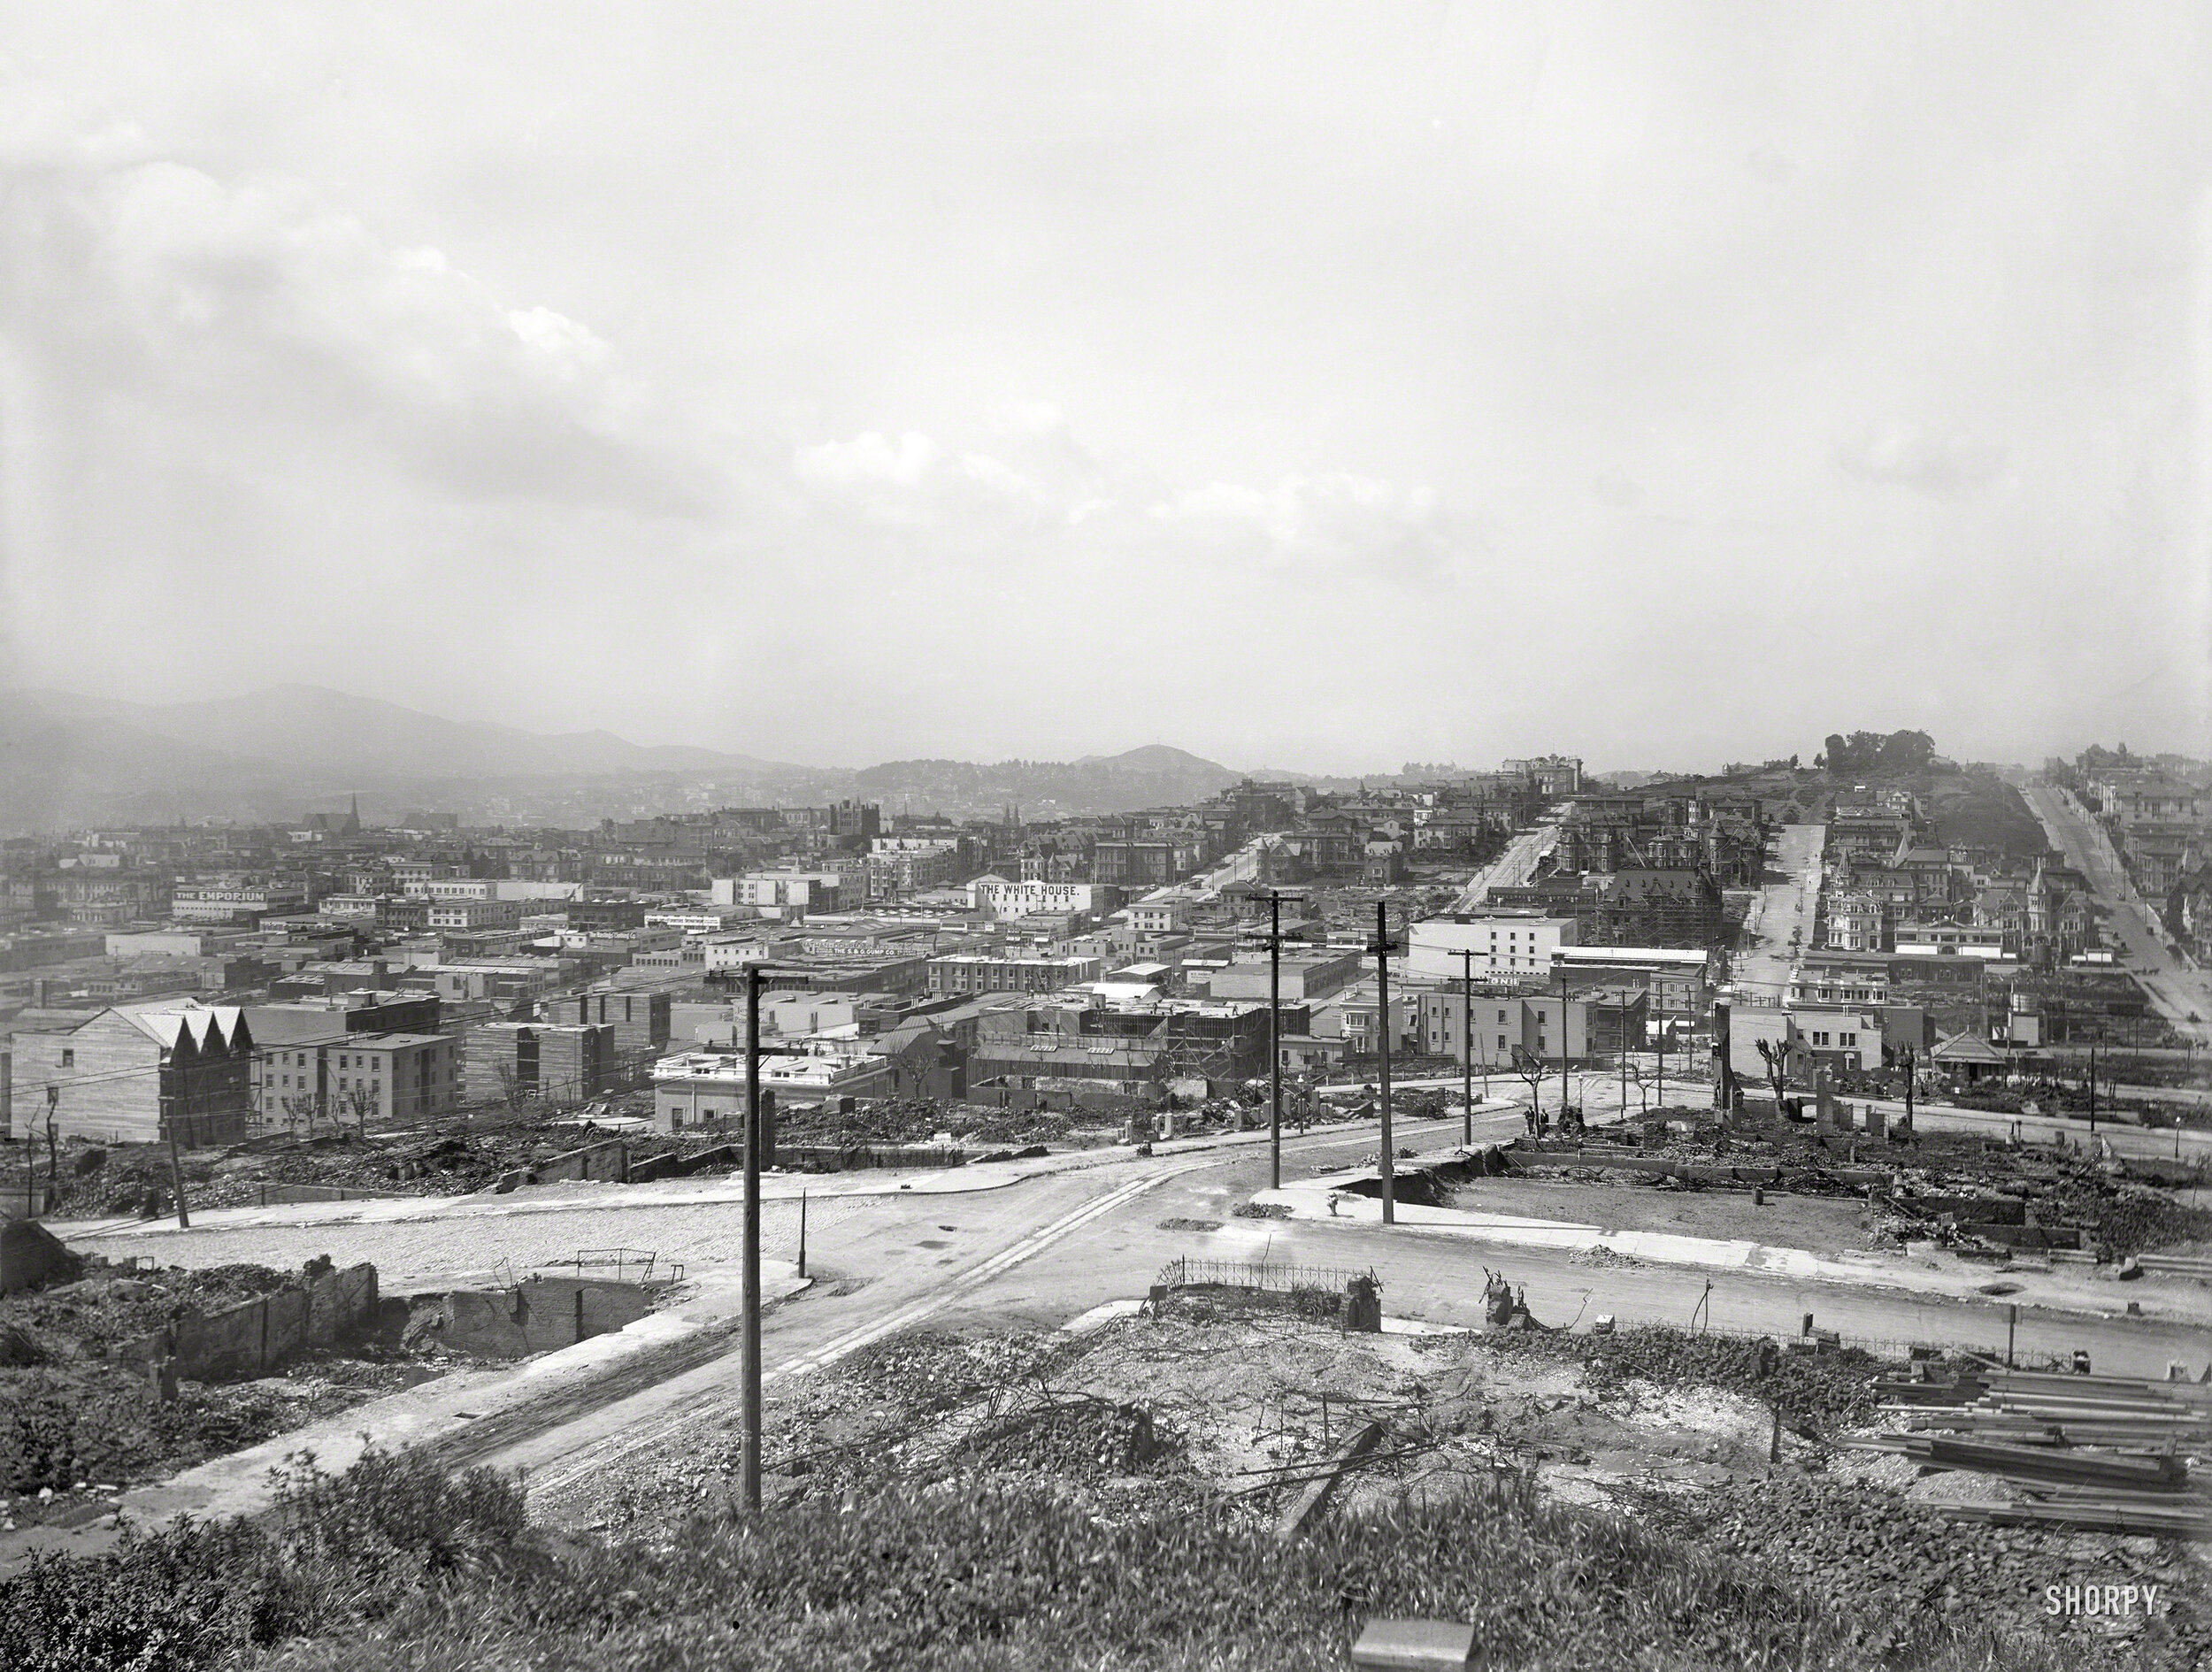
(394, 1567)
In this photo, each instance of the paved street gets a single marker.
(2180, 990)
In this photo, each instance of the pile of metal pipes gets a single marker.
(2093, 1452)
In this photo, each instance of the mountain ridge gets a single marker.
(69, 759)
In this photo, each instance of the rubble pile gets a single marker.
(1829, 1388)
(86, 1318)
(75, 1423)
(1071, 1437)
(1876, 1555)
(1972, 1194)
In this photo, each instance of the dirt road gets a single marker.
(1782, 919)
(1513, 868)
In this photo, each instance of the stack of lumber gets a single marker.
(2093, 1452)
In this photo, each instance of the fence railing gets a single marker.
(1184, 1273)
(634, 1265)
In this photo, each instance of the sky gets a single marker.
(1313, 387)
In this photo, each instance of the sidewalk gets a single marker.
(581, 1196)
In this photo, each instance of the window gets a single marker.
(68, 1057)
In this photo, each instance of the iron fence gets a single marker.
(634, 1265)
(1184, 1273)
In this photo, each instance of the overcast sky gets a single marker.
(1313, 387)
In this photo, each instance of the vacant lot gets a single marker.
(1821, 1225)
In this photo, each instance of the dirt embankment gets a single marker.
(1222, 1415)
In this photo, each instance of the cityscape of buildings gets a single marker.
(231, 980)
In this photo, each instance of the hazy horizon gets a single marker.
(1309, 389)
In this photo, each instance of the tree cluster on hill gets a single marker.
(1897, 752)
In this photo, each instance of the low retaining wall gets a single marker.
(257, 1337)
(278, 1195)
(833, 1158)
(536, 1315)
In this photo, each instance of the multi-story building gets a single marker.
(1503, 942)
(1031, 897)
(475, 913)
(1508, 1029)
(390, 1076)
(710, 1089)
(1828, 979)
(240, 903)
(977, 972)
(1676, 981)
(641, 1020)
(783, 893)
(1306, 977)
(1142, 865)
(461, 888)
(1555, 776)
(897, 865)
(1944, 936)
(1858, 921)
(1159, 918)
(504, 1060)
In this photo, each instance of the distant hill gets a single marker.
(59, 770)
(69, 760)
(1154, 776)
(306, 725)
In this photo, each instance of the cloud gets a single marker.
(913, 482)
(868, 460)
(231, 307)
(1332, 523)
(1896, 450)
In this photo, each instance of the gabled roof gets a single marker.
(1971, 1048)
(216, 1027)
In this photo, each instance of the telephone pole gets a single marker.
(1623, 1056)
(1467, 1043)
(176, 1161)
(1275, 1039)
(1382, 1038)
(749, 1475)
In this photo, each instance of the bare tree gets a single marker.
(360, 1103)
(1531, 1069)
(298, 1107)
(1776, 1056)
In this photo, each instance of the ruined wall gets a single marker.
(32, 1256)
(257, 1337)
(536, 1316)
(278, 1195)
